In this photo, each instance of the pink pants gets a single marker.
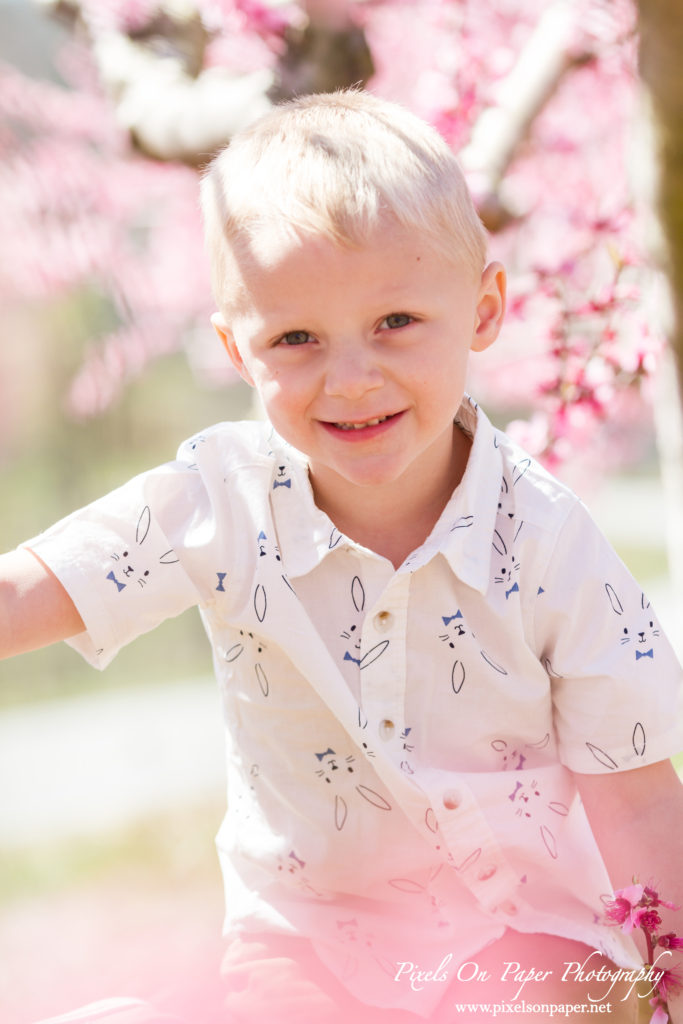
(280, 980)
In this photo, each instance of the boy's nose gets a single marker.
(351, 373)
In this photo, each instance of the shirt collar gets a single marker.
(464, 530)
(306, 535)
(462, 534)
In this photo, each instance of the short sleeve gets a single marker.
(130, 559)
(616, 682)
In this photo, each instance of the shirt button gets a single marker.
(451, 799)
(386, 729)
(383, 621)
(487, 873)
(508, 907)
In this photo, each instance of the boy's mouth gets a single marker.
(364, 424)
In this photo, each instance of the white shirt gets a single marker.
(398, 740)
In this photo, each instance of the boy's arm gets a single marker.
(637, 819)
(35, 609)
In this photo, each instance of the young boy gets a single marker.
(435, 672)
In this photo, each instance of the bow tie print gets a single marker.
(645, 654)
(282, 483)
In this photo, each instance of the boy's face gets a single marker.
(360, 355)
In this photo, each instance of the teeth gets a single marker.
(360, 426)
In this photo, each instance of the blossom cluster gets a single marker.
(83, 212)
(637, 907)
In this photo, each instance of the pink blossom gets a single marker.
(262, 18)
(619, 911)
(670, 983)
(647, 919)
(655, 901)
(634, 907)
(632, 893)
(623, 908)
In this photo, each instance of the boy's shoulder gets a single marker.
(236, 445)
(539, 497)
(528, 491)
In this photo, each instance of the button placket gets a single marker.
(383, 665)
(474, 851)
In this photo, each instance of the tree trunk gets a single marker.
(661, 48)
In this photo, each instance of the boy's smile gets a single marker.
(360, 357)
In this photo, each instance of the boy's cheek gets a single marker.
(273, 396)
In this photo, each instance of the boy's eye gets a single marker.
(295, 338)
(395, 320)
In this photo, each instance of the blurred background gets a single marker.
(564, 114)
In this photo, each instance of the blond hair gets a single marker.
(333, 164)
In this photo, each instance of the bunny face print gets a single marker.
(143, 558)
(453, 637)
(637, 626)
(343, 777)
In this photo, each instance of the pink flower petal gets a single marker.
(632, 893)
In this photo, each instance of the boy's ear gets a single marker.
(490, 307)
(225, 334)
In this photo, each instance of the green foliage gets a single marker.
(53, 465)
(166, 851)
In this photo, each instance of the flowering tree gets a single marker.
(98, 177)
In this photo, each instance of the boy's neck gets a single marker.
(395, 519)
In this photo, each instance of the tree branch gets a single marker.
(549, 53)
(175, 109)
